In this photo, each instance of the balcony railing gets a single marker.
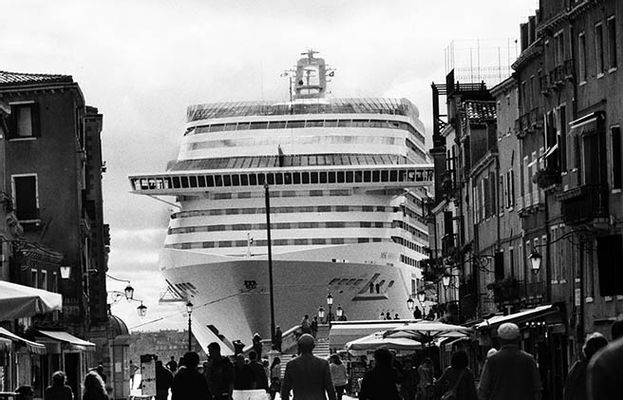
(584, 203)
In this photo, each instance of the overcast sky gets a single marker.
(143, 62)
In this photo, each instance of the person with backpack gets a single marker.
(457, 381)
(219, 373)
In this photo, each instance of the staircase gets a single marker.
(321, 350)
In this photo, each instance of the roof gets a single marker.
(34, 347)
(67, 338)
(518, 317)
(391, 106)
(480, 110)
(294, 160)
(20, 78)
(117, 326)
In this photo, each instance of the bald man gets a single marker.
(307, 376)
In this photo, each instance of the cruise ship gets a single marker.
(344, 179)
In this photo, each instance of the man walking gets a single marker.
(511, 373)
(259, 373)
(308, 376)
(277, 339)
(164, 379)
(188, 383)
(219, 373)
(172, 365)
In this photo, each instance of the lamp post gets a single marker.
(141, 310)
(270, 263)
(410, 304)
(320, 312)
(535, 261)
(339, 311)
(189, 309)
(329, 303)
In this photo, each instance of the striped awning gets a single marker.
(33, 347)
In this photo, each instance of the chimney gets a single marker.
(524, 36)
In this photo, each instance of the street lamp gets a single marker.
(535, 260)
(189, 309)
(339, 311)
(410, 304)
(141, 310)
(65, 271)
(421, 296)
(445, 280)
(329, 303)
(320, 312)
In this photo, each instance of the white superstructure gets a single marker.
(346, 178)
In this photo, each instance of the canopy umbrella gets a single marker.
(376, 340)
(18, 301)
(426, 332)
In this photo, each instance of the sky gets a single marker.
(142, 62)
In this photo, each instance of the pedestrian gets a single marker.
(244, 378)
(275, 378)
(164, 379)
(417, 313)
(259, 374)
(257, 345)
(606, 368)
(511, 373)
(100, 371)
(307, 376)
(425, 379)
(396, 316)
(306, 325)
(133, 369)
(575, 384)
(314, 326)
(94, 388)
(58, 390)
(458, 380)
(219, 373)
(491, 352)
(380, 382)
(408, 388)
(188, 383)
(172, 365)
(388, 316)
(277, 339)
(339, 376)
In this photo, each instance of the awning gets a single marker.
(344, 332)
(518, 318)
(33, 347)
(376, 340)
(586, 125)
(69, 340)
(18, 301)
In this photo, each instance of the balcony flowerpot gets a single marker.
(545, 178)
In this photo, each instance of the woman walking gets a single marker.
(275, 378)
(58, 390)
(380, 382)
(458, 380)
(339, 376)
(94, 388)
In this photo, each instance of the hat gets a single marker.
(508, 331)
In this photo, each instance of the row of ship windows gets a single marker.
(301, 140)
(286, 193)
(283, 210)
(275, 242)
(299, 225)
(328, 123)
(283, 178)
(292, 242)
(409, 261)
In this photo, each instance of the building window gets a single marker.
(582, 56)
(25, 197)
(44, 280)
(616, 157)
(612, 43)
(560, 48)
(34, 276)
(24, 121)
(599, 48)
(510, 188)
(562, 137)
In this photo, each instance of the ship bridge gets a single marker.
(368, 177)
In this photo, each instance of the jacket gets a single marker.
(309, 378)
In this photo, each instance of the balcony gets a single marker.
(533, 293)
(584, 203)
(510, 291)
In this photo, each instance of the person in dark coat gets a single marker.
(575, 385)
(459, 378)
(188, 383)
(257, 345)
(244, 379)
(307, 376)
(259, 373)
(219, 373)
(172, 365)
(380, 382)
(164, 379)
(605, 369)
(277, 339)
(511, 373)
(94, 388)
(58, 390)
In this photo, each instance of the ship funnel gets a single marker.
(311, 79)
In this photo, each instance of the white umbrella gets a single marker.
(376, 340)
(426, 332)
(17, 301)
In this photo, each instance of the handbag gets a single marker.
(451, 394)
